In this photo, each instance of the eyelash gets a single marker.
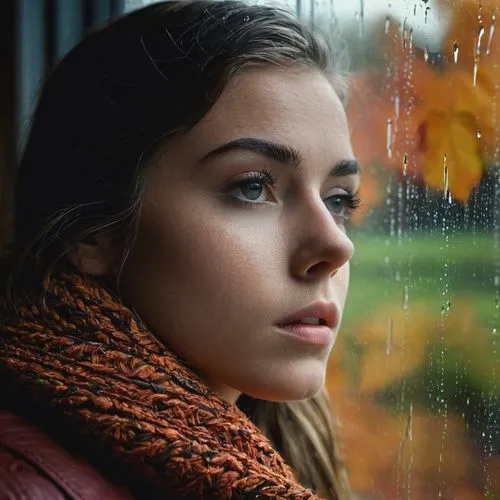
(352, 200)
(263, 176)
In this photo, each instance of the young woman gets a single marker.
(179, 264)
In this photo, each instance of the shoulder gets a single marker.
(33, 466)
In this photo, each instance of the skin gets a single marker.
(211, 274)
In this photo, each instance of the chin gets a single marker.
(294, 384)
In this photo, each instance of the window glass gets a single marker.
(415, 376)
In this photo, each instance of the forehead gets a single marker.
(295, 107)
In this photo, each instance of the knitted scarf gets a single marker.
(100, 381)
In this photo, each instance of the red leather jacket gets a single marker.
(34, 467)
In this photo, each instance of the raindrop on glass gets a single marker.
(409, 424)
(388, 340)
(389, 138)
(479, 38)
(405, 299)
(427, 9)
(445, 175)
(445, 308)
(455, 52)
(492, 31)
(387, 24)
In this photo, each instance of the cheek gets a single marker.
(193, 271)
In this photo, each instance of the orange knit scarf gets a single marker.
(82, 362)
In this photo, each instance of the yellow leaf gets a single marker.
(451, 143)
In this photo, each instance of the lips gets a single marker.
(327, 313)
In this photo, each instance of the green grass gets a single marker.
(433, 271)
(461, 271)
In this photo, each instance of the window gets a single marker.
(415, 376)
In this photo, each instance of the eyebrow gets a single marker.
(284, 154)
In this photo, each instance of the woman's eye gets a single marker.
(342, 205)
(254, 189)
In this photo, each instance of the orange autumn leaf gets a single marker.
(452, 161)
(420, 114)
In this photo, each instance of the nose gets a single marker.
(321, 246)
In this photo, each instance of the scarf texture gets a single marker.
(84, 366)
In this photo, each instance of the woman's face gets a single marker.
(242, 227)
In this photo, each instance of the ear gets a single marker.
(95, 255)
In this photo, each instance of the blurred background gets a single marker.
(415, 376)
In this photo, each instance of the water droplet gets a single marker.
(405, 299)
(427, 9)
(492, 31)
(475, 71)
(445, 175)
(396, 105)
(455, 52)
(389, 138)
(478, 134)
(409, 424)
(387, 24)
(388, 340)
(246, 19)
(479, 38)
(445, 308)
(405, 163)
(405, 34)
(426, 54)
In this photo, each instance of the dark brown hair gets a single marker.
(136, 83)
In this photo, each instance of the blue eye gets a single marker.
(342, 205)
(252, 190)
(255, 188)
